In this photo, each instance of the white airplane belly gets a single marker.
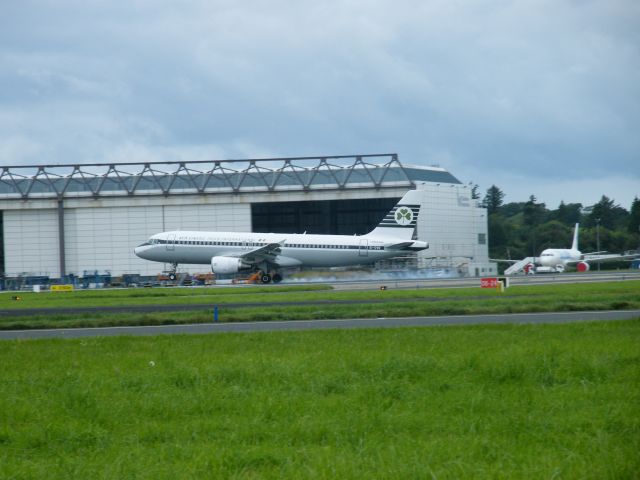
(187, 254)
(332, 258)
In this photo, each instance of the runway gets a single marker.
(300, 325)
(540, 279)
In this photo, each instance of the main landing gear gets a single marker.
(265, 276)
(268, 278)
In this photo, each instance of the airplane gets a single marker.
(556, 260)
(268, 253)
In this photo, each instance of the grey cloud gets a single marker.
(526, 86)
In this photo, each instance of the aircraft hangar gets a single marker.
(58, 220)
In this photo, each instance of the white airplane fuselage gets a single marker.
(296, 249)
(556, 260)
(554, 257)
(267, 253)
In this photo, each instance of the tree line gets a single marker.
(523, 229)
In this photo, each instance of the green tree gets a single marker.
(493, 199)
(607, 214)
(532, 216)
(475, 195)
(498, 237)
(512, 209)
(567, 213)
(554, 234)
(634, 216)
(533, 213)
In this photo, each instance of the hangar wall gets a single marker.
(102, 238)
(74, 219)
(455, 228)
(31, 241)
(101, 235)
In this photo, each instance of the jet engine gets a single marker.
(582, 267)
(227, 265)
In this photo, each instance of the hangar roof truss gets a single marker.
(213, 176)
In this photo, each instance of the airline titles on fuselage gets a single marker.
(238, 242)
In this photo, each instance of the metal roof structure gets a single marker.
(213, 176)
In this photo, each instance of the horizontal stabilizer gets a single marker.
(400, 246)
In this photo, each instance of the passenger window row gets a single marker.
(157, 241)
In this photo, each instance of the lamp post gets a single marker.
(598, 239)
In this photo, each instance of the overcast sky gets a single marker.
(536, 96)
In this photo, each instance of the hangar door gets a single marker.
(332, 217)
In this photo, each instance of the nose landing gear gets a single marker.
(172, 272)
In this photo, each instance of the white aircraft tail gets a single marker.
(402, 220)
(574, 245)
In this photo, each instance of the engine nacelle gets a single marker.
(227, 265)
(582, 267)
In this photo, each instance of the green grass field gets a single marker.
(155, 296)
(257, 304)
(500, 401)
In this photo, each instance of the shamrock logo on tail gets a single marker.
(404, 216)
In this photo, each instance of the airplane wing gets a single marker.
(610, 257)
(500, 260)
(266, 252)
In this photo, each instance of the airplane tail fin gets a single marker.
(574, 245)
(402, 220)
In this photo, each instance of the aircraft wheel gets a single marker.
(172, 276)
(277, 278)
(265, 278)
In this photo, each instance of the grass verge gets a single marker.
(393, 303)
(499, 401)
(259, 295)
(146, 296)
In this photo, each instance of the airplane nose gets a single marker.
(140, 250)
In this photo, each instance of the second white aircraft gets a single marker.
(556, 260)
(232, 252)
